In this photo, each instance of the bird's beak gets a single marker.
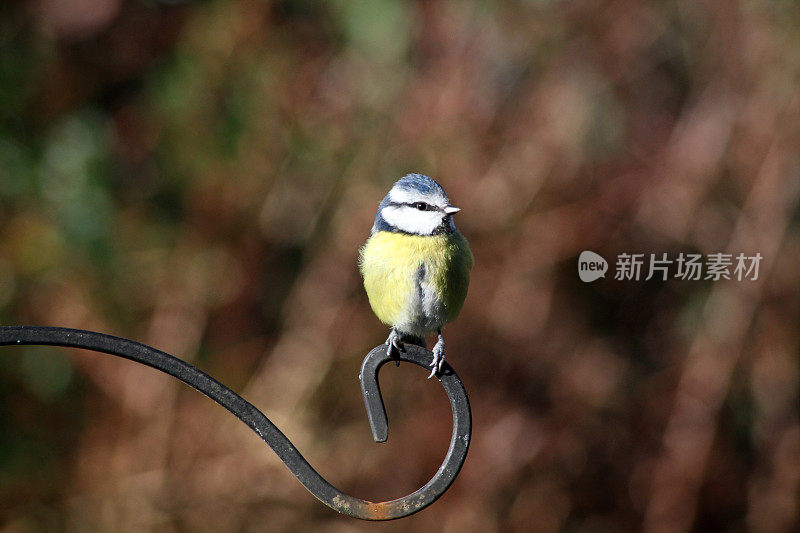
(450, 209)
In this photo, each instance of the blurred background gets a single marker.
(199, 177)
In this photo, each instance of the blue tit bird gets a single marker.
(416, 264)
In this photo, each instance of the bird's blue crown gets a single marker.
(421, 183)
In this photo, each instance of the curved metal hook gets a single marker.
(258, 422)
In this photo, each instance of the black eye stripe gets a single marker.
(415, 205)
(421, 206)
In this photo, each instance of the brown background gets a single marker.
(199, 177)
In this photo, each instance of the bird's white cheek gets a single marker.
(412, 220)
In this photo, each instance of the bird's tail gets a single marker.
(407, 338)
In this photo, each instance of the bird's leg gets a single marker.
(394, 346)
(438, 356)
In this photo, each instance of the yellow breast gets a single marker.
(416, 283)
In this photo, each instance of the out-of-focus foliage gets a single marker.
(199, 176)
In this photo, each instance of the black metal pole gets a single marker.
(258, 422)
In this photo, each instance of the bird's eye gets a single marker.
(422, 206)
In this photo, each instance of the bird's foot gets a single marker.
(438, 357)
(394, 346)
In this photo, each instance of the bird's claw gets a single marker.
(438, 358)
(394, 346)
